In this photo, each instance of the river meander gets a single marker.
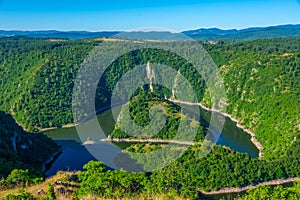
(74, 154)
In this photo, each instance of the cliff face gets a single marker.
(20, 149)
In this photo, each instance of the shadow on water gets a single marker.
(73, 157)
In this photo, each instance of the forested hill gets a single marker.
(22, 150)
(253, 33)
(37, 79)
(261, 79)
(263, 88)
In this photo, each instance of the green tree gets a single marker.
(50, 193)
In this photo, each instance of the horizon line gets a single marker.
(139, 29)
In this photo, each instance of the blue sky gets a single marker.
(178, 15)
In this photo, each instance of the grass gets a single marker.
(60, 180)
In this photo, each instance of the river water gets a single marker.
(74, 154)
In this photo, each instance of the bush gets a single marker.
(22, 195)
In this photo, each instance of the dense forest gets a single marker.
(36, 83)
(97, 182)
(139, 109)
(262, 88)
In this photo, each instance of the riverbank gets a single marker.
(51, 159)
(241, 189)
(71, 125)
(53, 128)
(188, 143)
(258, 145)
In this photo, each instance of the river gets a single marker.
(74, 154)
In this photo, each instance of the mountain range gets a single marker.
(204, 34)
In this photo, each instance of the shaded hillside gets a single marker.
(19, 149)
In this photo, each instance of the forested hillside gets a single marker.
(37, 79)
(22, 150)
(261, 79)
(262, 87)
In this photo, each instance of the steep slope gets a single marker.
(19, 149)
(262, 87)
(36, 79)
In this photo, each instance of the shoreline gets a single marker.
(257, 144)
(71, 125)
(188, 143)
(228, 190)
(53, 128)
(51, 159)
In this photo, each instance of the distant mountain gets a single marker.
(203, 34)
(244, 34)
(59, 34)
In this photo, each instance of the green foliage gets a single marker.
(22, 195)
(261, 79)
(98, 181)
(18, 177)
(186, 176)
(50, 193)
(37, 79)
(139, 108)
(222, 168)
(39, 91)
(278, 192)
(262, 88)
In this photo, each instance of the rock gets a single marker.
(40, 192)
(61, 190)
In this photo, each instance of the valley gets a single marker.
(259, 142)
